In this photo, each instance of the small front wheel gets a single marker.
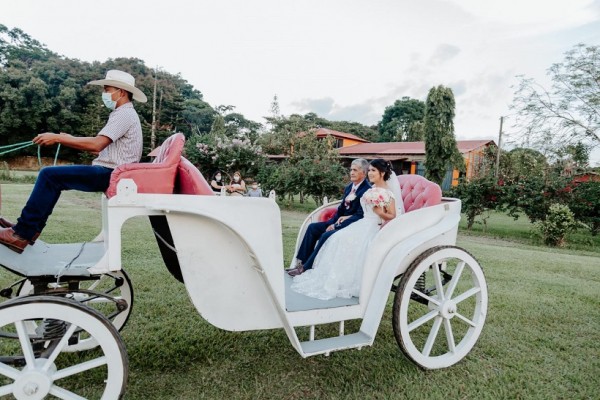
(35, 332)
(111, 294)
(443, 290)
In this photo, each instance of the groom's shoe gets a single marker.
(295, 267)
(296, 271)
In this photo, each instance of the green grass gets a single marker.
(541, 339)
(502, 226)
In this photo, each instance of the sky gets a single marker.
(341, 59)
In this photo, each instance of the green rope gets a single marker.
(22, 145)
(8, 146)
(55, 156)
(15, 147)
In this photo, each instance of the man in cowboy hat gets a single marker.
(118, 142)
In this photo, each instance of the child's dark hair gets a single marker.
(383, 166)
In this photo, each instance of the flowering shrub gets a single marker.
(377, 197)
(559, 221)
(478, 196)
(211, 153)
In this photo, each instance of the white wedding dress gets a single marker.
(337, 270)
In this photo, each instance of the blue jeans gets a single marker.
(50, 182)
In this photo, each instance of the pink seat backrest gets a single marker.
(155, 177)
(418, 192)
(191, 181)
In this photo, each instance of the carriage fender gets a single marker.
(230, 259)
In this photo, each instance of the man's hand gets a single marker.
(330, 228)
(342, 219)
(48, 138)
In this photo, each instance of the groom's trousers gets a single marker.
(316, 232)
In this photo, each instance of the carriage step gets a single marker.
(320, 346)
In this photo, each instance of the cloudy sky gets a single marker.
(342, 59)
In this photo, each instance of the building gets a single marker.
(409, 157)
(341, 139)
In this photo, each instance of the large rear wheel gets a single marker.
(443, 290)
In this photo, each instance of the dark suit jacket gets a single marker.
(355, 210)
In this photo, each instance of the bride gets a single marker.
(337, 271)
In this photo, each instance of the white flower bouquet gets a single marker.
(378, 197)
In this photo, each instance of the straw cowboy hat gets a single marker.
(121, 80)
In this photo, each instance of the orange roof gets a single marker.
(322, 132)
(405, 148)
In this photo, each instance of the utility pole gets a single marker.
(499, 145)
(153, 131)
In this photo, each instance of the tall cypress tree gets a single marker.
(441, 151)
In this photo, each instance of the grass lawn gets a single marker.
(541, 339)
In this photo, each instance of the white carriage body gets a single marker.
(230, 253)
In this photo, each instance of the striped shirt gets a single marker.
(125, 131)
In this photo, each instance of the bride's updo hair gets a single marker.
(383, 166)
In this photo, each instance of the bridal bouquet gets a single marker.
(378, 197)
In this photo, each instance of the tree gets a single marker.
(311, 166)
(401, 121)
(441, 152)
(521, 162)
(568, 112)
(42, 91)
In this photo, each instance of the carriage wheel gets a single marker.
(34, 364)
(116, 301)
(444, 289)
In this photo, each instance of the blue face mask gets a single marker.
(108, 101)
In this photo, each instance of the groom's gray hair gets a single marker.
(361, 163)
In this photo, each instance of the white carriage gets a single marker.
(76, 297)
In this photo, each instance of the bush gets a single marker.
(477, 196)
(533, 195)
(558, 223)
(585, 204)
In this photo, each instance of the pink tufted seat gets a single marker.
(327, 213)
(418, 192)
(191, 181)
(155, 177)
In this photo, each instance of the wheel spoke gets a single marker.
(467, 294)
(25, 345)
(59, 347)
(449, 335)
(432, 336)
(424, 319)
(6, 389)
(94, 284)
(428, 298)
(9, 371)
(465, 319)
(455, 278)
(437, 277)
(64, 393)
(75, 369)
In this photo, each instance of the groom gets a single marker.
(349, 211)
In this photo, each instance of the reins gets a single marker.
(18, 146)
